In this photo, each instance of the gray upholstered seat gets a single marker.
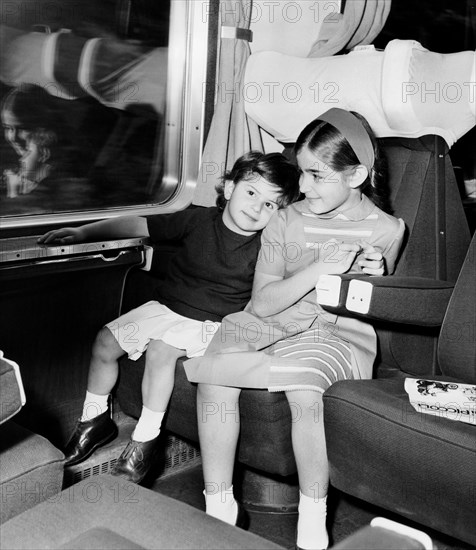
(109, 512)
(383, 451)
(31, 467)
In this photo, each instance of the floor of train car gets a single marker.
(349, 514)
(181, 478)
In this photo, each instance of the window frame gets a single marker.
(188, 41)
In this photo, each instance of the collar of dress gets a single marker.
(356, 213)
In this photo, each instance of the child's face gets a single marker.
(18, 136)
(325, 189)
(251, 203)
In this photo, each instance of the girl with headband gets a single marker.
(289, 342)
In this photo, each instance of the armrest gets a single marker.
(384, 533)
(332, 291)
(408, 300)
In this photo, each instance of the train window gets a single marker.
(100, 106)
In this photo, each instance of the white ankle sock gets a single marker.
(148, 426)
(94, 405)
(221, 504)
(312, 532)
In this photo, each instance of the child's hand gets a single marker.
(338, 257)
(373, 262)
(66, 235)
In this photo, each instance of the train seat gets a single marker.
(416, 180)
(420, 466)
(32, 468)
(107, 512)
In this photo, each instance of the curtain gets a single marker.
(232, 132)
(360, 23)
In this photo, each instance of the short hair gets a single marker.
(275, 168)
(35, 109)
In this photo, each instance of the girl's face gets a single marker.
(325, 189)
(18, 136)
(251, 203)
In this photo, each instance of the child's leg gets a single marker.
(103, 372)
(159, 374)
(157, 386)
(309, 446)
(96, 427)
(218, 429)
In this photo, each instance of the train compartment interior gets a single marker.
(148, 101)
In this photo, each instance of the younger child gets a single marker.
(210, 276)
(288, 342)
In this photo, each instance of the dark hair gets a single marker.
(35, 109)
(273, 167)
(326, 141)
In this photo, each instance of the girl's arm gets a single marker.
(115, 228)
(272, 294)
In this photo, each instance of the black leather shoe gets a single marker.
(242, 518)
(88, 436)
(136, 460)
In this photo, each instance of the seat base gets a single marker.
(408, 470)
(263, 493)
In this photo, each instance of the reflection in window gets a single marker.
(83, 99)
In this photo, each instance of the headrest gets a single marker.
(403, 91)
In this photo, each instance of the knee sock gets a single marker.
(222, 505)
(148, 426)
(94, 405)
(311, 530)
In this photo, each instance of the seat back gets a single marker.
(424, 193)
(457, 342)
